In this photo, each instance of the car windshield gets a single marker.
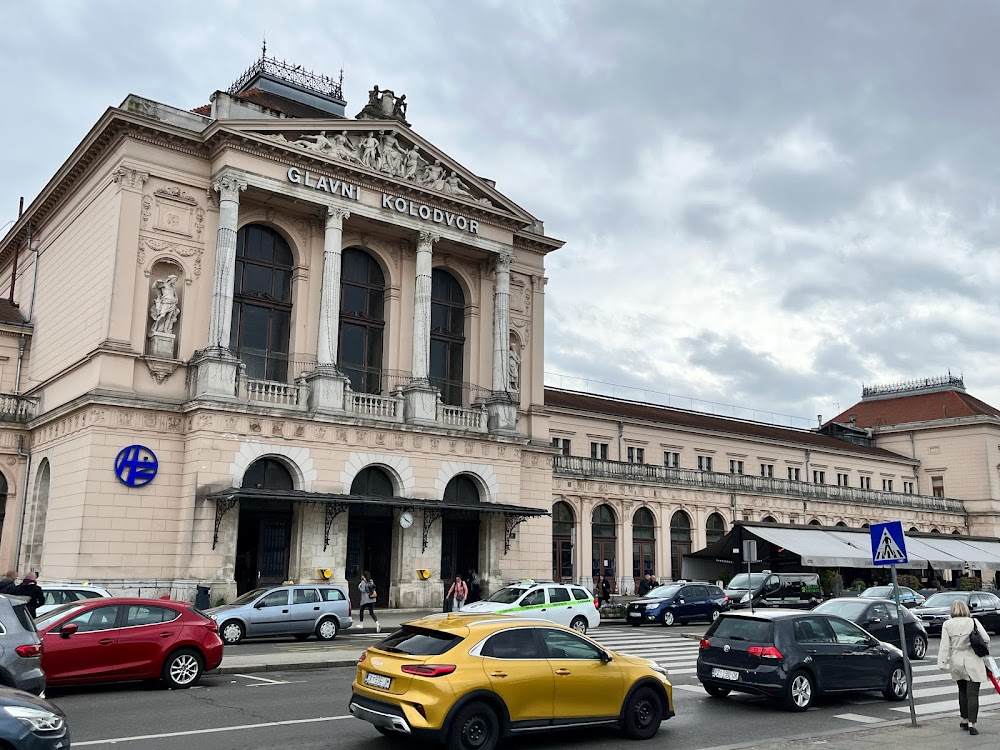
(850, 609)
(248, 596)
(664, 591)
(740, 581)
(54, 614)
(945, 600)
(507, 596)
(879, 592)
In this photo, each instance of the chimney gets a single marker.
(819, 419)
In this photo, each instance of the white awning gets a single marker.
(978, 554)
(817, 548)
(862, 541)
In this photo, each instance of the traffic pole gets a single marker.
(906, 651)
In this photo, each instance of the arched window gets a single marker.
(715, 528)
(604, 532)
(815, 522)
(935, 531)
(3, 500)
(268, 473)
(914, 528)
(680, 541)
(372, 481)
(563, 531)
(769, 519)
(39, 515)
(447, 336)
(956, 532)
(643, 543)
(462, 489)
(362, 320)
(262, 302)
(865, 526)
(841, 523)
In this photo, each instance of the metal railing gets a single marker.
(281, 368)
(16, 408)
(293, 74)
(710, 480)
(456, 393)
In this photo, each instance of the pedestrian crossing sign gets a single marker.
(888, 543)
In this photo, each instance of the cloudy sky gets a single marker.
(765, 203)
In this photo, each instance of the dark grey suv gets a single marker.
(21, 652)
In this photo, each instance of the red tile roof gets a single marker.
(618, 408)
(204, 109)
(273, 102)
(916, 407)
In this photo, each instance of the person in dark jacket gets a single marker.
(30, 589)
(606, 590)
(8, 581)
(644, 585)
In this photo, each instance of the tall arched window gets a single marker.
(268, 473)
(815, 522)
(447, 336)
(933, 531)
(462, 489)
(362, 320)
(715, 528)
(39, 514)
(680, 541)
(912, 528)
(563, 531)
(604, 532)
(769, 519)
(841, 523)
(372, 481)
(262, 302)
(643, 543)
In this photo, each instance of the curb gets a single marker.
(291, 667)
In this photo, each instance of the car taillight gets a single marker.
(428, 670)
(362, 657)
(212, 625)
(725, 600)
(765, 652)
(597, 604)
(705, 643)
(29, 649)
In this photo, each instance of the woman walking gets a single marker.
(458, 593)
(369, 595)
(956, 656)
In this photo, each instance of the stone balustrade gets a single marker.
(275, 393)
(474, 419)
(16, 408)
(373, 406)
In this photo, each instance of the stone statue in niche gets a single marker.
(514, 368)
(164, 313)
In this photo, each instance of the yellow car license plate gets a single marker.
(378, 681)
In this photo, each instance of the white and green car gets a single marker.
(565, 604)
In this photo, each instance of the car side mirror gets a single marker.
(874, 620)
(680, 601)
(259, 605)
(972, 605)
(606, 657)
(67, 630)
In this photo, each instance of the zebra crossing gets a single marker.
(934, 692)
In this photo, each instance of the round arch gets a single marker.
(643, 544)
(956, 532)
(769, 519)
(914, 529)
(715, 528)
(373, 481)
(39, 516)
(281, 226)
(604, 533)
(466, 283)
(680, 541)
(381, 253)
(297, 460)
(841, 524)
(397, 467)
(815, 522)
(935, 531)
(563, 534)
(483, 474)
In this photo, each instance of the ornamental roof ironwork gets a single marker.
(294, 74)
(912, 386)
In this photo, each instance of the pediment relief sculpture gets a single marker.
(384, 152)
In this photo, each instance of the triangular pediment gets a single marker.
(390, 151)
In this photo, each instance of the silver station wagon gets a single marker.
(299, 611)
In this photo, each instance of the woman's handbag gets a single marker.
(447, 604)
(979, 646)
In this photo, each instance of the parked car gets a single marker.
(907, 596)
(469, 680)
(878, 617)
(299, 611)
(564, 604)
(111, 640)
(678, 602)
(796, 590)
(67, 593)
(20, 647)
(28, 722)
(984, 606)
(794, 656)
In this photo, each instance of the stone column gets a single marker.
(215, 366)
(420, 399)
(501, 408)
(327, 384)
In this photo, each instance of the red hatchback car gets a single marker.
(108, 640)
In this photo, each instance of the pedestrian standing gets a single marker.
(8, 581)
(644, 585)
(30, 589)
(369, 596)
(606, 590)
(475, 588)
(458, 593)
(967, 669)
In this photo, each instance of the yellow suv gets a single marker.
(468, 680)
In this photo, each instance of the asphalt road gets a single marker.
(303, 710)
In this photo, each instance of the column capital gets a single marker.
(129, 179)
(336, 216)
(503, 262)
(229, 186)
(426, 240)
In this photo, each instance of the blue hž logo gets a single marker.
(136, 465)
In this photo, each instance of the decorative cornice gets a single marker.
(127, 178)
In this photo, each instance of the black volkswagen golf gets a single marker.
(878, 617)
(794, 656)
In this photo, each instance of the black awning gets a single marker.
(335, 504)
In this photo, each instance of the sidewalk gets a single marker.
(929, 734)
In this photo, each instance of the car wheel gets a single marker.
(327, 629)
(232, 632)
(800, 692)
(896, 689)
(301, 636)
(715, 614)
(579, 624)
(668, 618)
(476, 727)
(919, 649)
(182, 669)
(642, 715)
(717, 692)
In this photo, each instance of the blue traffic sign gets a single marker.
(136, 465)
(888, 543)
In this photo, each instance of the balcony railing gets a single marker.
(374, 406)
(16, 408)
(473, 419)
(593, 468)
(277, 393)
